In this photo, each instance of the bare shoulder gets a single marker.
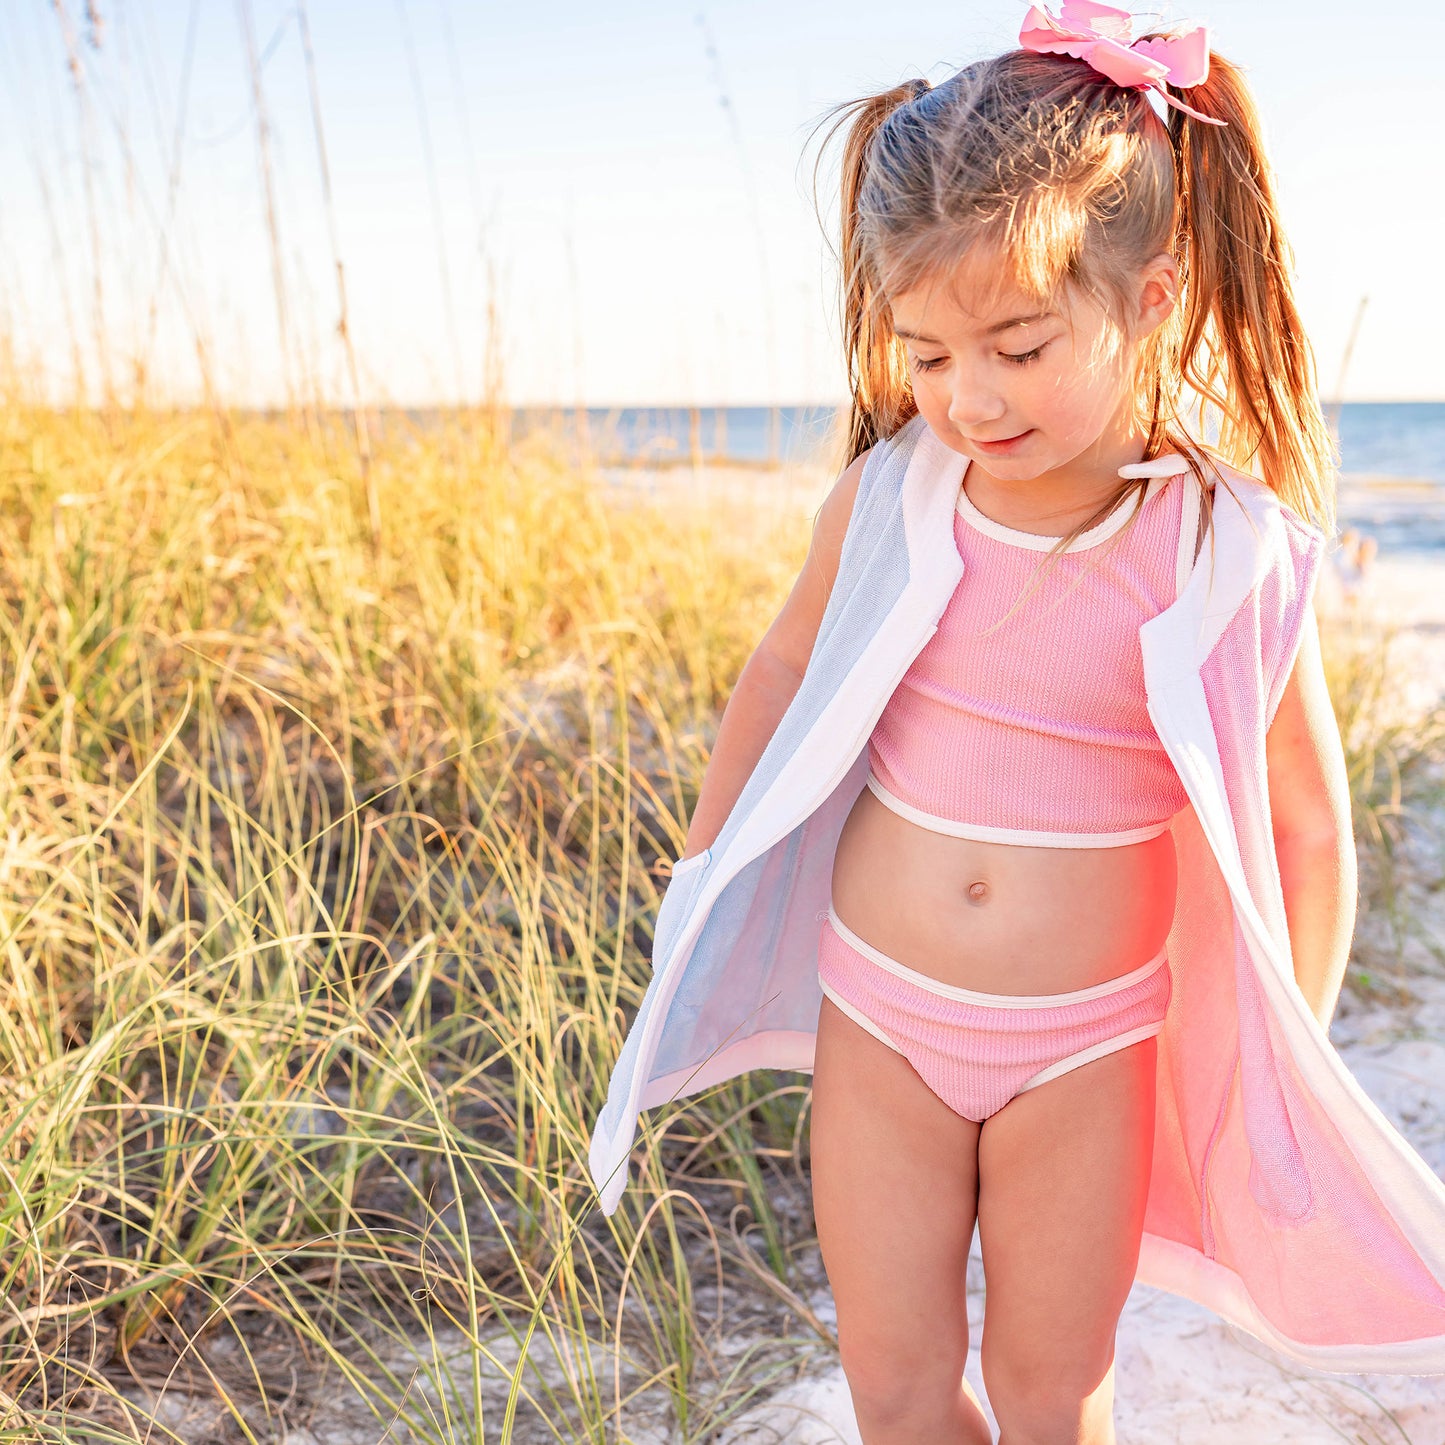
(793, 632)
(831, 524)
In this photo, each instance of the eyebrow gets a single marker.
(991, 331)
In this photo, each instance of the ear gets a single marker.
(1158, 293)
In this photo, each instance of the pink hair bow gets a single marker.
(1099, 34)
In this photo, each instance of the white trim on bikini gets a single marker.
(994, 1000)
(1094, 1051)
(1021, 837)
(1032, 540)
(1063, 1066)
(1055, 1070)
(1159, 471)
(857, 1015)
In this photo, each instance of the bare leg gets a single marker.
(895, 1194)
(1064, 1172)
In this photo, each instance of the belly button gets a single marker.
(978, 892)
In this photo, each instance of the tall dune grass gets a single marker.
(328, 875)
(1396, 761)
(328, 883)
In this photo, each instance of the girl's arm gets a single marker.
(1309, 797)
(769, 680)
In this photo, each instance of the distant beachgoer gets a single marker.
(1353, 559)
(1027, 826)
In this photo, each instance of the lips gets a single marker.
(1003, 444)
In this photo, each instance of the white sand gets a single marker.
(1183, 1376)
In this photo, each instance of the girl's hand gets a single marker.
(1309, 799)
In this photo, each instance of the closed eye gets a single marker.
(1023, 358)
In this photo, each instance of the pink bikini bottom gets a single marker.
(977, 1050)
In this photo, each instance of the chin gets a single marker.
(1019, 468)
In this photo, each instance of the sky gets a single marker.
(588, 204)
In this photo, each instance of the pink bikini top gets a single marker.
(1037, 732)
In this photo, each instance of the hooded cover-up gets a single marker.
(1280, 1196)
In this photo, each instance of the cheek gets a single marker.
(1089, 398)
(931, 398)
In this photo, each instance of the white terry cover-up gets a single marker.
(1280, 1196)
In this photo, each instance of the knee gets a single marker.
(1048, 1401)
(892, 1382)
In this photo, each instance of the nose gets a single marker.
(973, 403)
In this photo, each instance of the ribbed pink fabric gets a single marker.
(1038, 731)
(977, 1050)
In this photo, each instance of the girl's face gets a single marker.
(1021, 388)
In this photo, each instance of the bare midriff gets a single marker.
(1001, 917)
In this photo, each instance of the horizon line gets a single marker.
(565, 406)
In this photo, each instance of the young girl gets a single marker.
(1027, 827)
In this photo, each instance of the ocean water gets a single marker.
(1392, 486)
(1404, 439)
(1392, 453)
(746, 434)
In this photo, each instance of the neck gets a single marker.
(1058, 500)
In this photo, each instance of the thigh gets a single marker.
(1063, 1181)
(895, 1193)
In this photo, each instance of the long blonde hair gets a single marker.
(1079, 182)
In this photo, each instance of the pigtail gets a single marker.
(878, 385)
(1242, 344)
